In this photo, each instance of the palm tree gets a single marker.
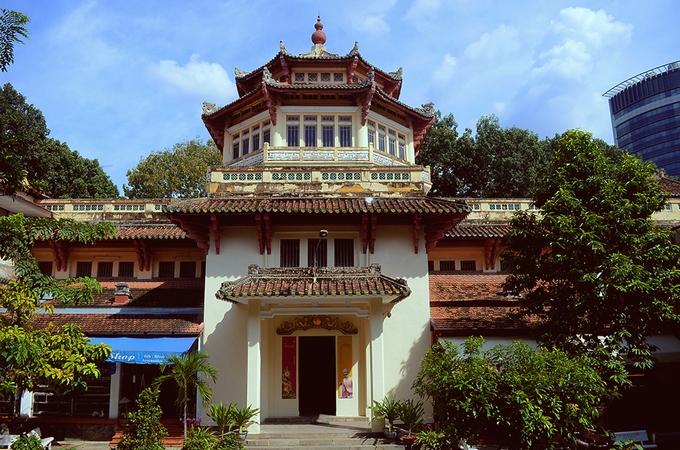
(184, 372)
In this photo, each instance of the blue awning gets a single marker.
(144, 350)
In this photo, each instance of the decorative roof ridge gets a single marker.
(210, 109)
(426, 109)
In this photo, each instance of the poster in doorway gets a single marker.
(288, 367)
(345, 384)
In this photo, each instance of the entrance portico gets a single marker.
(315, 323)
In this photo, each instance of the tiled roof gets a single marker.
(128, 324)
(302, 282)
(165, 231)
(450, 286)
(463, 303)
(317, 205)
(170, 293)
(475, 319)
(469, 229)
(671, 186)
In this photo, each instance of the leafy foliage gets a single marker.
(389, 409)
(200, 438)
(593, 268)
(184, 372)
(242, 418)
(12, 28)
(525, 398)
(411, 413)
(222, 415)
(60, 357)
(177, 172)
(27, 153)
(491, 162)
(145, 429)
(27, 442)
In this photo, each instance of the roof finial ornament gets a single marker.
(318, 37)
(355, 49)
(283, 49)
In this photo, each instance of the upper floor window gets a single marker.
(187, 269)
(251, 138)
(344, 252)
(318, 252)
(84, 269)
(126, 269)
(345, 131)
(468, 265)
(290, 253)
(371, 132)
(293, 130)
(310, 131)
(166, 269)
(45, 267)
(328, 131)
(447, 265)
(104, 269)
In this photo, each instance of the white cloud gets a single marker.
(570, 60)
(584, 37)
(196, 77)
(446, 69)
(596, 28)
(500, 41)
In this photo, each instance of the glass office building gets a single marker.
(645, 113)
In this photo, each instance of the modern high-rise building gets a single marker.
(645, 112)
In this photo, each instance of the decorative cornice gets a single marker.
(316, 321)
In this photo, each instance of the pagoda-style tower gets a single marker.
(316, 231)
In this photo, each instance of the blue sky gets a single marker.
(118, 79)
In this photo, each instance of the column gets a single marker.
(377, 356)
(254, 360)
(114, 395)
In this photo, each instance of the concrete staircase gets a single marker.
(319, 433)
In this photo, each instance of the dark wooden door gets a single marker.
(317, 382)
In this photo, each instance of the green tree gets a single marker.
(179, 172)
(28, 154)
(12, 28)
(526, 398)
(184, 372)
(492, 162)
(60, 357)
(593, 268)
(145, 430)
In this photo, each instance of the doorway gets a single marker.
(317, 383)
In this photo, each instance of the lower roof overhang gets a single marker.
(307, 285)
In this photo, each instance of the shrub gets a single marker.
(27, 442)
(230, 442)
(145, 429)
(524, 397)
(200, 438)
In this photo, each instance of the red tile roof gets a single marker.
(164, 231)
(487, 230)
(317, 205)
(449, 286)
(163, 293)
(464, 303)
(128, 324)
(296, 281)
(671, 186)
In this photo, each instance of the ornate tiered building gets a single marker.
(316, 232)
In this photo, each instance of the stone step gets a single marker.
(344, 440)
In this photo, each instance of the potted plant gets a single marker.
(222, 415)
(242, 418)
(388, 409)
(411, 413)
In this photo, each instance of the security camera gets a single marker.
(323, 233)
